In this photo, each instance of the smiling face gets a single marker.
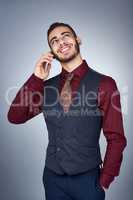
(63, 44)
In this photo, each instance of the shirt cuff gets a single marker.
(105, 180)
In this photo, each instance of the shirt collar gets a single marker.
(78, 71)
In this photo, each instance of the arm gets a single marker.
(29, 99)
(109, 103)
(27, 102)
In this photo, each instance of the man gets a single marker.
(76, 105)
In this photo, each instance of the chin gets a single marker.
(65, 60)
(68, 58)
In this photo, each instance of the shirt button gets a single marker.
(58, 149)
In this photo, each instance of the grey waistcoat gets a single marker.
(74, 136)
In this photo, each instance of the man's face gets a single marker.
(63, 44)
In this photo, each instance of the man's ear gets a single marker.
(79, 40)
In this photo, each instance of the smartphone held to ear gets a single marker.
(45, 63)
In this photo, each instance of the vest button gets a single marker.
(58, 149)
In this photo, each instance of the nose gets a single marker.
(61, 42)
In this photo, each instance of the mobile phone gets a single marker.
(46, 64)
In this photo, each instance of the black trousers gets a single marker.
(84, 186)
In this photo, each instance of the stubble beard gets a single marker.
(71, 57)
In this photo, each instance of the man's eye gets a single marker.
(54, 42)
(67, 35)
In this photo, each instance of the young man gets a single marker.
(76, 105)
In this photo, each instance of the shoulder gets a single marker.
(108, 83)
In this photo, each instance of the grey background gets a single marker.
(106, 29)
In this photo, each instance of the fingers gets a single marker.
(48, 55)
(43, 60)
(46, 58)
(47, 67)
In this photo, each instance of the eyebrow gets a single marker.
(56, 37)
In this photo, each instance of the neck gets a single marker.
(71, 65)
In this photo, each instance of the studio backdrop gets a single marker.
(106, 29)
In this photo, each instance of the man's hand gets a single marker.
(43, 66)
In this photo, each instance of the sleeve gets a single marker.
(28, 101)
(109, 103)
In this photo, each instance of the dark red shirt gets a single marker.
(28, 103)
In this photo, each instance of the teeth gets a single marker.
(65, 49)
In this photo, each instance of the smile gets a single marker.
(65, 49)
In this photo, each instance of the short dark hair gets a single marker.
(58, 24)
